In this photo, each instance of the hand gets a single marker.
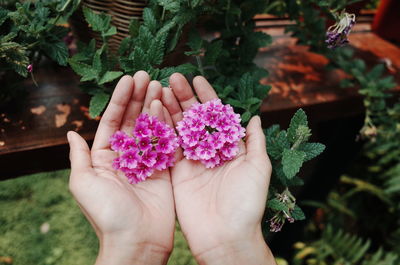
(134, 223)
(220, 209)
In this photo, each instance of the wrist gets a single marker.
(113, 251)
(252, 250)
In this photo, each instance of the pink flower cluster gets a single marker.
(210, 132)
(152, 147)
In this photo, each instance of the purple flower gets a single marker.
(117, 141)
(149, 158)
(152, 147)
(129, 159)
(206, 128)
(30, 68)
(336, 35)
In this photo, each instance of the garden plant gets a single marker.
(30, 31)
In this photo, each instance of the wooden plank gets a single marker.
(48, 112)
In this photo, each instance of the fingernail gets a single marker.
(258, 120)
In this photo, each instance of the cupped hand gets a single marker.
(220, 209)
(135, 223)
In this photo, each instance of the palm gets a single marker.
(229, 199)
(113, 205)
(208, 200)
(122, 204)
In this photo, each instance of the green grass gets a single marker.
(28, 202)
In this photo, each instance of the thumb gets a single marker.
(79, 155)
(255, 143)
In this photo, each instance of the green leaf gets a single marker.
(98, 22)
(57, 51)
(134, 28)
(246, 116)
(277, 205)
(149, 20)
(212, 53)
(156, 49)
(195, 41)
(276, 145)
(111, 31)
(3, 15)
(292, 160)
(235, 103)
(311, 149)
(86, 71)
(110, 76)
(299, 119)
(170, 5)
(297, 213)
(97, 104)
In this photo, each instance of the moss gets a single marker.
(28, 202)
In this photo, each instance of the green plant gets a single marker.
(226, 61)
(33, 31)
(339, 248)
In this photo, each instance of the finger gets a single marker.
(182, 90)
(203, 89)
(168, 119)
(153, 92)
(141, 80)
(79, 155)
(171, 103)
(255, 143)
(156, 109)
(111, 120)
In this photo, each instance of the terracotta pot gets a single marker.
(387, 20)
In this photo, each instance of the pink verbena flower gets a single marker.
(210, 132)
(152, 147)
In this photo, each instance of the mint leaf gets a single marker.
(98, 22)
(276, 145)
(97, 104)
(109, 76)
(84, 70)
(156, 49)
(299, 119)
(277, 205)
(297, 213)
(311, 149)
(292, 160)
(149, 20)
(57, 51)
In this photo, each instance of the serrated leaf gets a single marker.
(276, 145)
(312, 150)
(235, 103)
(149, 20)
(297, 213)
(156, 50)
(134, 28)
(57, 51)
(195, 41)
(84, 70)
(276, 205)
(246, 116)
(110, 76)
(97, 104)
(292, 160)
(212, 52)
(299, 119)
(111, 31)
(98, 22)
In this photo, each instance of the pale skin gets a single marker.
(220, 210)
